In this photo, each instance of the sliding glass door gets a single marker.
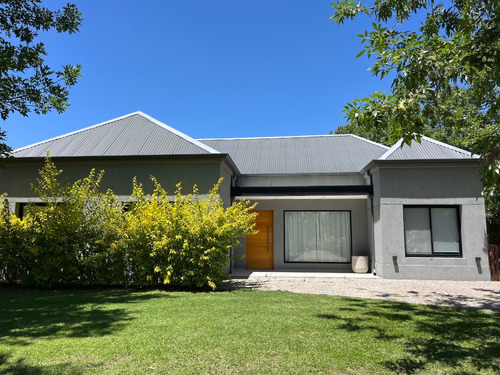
(318, 236)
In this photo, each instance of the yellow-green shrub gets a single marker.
(72, 234)
(183, 242)
(83, 237)
(14, 234)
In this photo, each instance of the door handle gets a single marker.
(268, 239)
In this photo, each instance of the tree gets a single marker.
(445, 78)
(27, 83)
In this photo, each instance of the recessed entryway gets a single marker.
(260, 246)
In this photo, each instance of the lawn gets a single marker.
(237, 332)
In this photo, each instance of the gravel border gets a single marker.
(483, 295)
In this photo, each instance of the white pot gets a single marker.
(360, 264)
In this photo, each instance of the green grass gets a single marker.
(239, 332)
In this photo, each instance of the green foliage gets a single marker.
(81, 236)
(186, 241)
(73, 231)
(445, 79)
(13, 236)
(28, 83)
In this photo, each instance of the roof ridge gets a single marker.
(156, 122)
(397, 145)
(184, 136)
(76, 132)
(457, 149)
(391, 150)
(370, 141)
(286, 136)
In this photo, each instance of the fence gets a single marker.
(494, 255)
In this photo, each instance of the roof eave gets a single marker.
(424, 162)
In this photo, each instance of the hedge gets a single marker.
(82, 236)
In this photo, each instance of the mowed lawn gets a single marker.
(238, 332)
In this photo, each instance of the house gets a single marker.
(416, 212)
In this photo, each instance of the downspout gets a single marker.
(373, 222)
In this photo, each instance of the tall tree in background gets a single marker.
(27, 83)
(445, 78)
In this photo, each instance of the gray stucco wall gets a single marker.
(302, 180)
(359, 226)
(225, 188)
(395, 187)
(16, 177)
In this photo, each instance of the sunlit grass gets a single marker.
(240, 332)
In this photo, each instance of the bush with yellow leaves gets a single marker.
(82, 236)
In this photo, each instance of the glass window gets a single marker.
(318, 236)
(417, 231)
(445, 237)
(431, 231)
(31, 208)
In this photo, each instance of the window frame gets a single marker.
(23, 205)
(433, 254)
(309, 262)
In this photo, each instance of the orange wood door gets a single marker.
(259, 249)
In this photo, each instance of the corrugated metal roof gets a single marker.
(428, 148)
(138, 134)
(131, 135)
(304, 155)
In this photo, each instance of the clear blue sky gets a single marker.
(220, 68)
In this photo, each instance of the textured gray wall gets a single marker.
(360, 240)
(302, 180)
(16, 177)
(432, 185)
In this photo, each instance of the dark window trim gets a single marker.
(284, 236)
(22, 206)
(433, 254)
(302, 190)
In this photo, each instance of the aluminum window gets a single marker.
(432, 231)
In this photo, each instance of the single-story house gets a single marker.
(416, 212)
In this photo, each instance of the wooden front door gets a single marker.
(259, 251)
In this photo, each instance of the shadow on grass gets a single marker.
(28, 314)
(435, 337)
(238, 284)
(21, 367)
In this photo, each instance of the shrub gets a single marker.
(186, 241)
(72, 232)
(81, 236)
(13, 240)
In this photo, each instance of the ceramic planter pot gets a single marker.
(360, 264)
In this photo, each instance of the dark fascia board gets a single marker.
(302, 190)
(421, 163)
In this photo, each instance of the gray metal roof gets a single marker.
(138, 134)
(428, 148)
(299, 155)
(131, 135)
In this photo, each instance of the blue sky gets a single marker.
(220, 68)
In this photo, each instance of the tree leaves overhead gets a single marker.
(445, 76)
(27, 83)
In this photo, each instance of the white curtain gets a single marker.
(433, 233)
(317, 236)
(417, 231)
(445, 236)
